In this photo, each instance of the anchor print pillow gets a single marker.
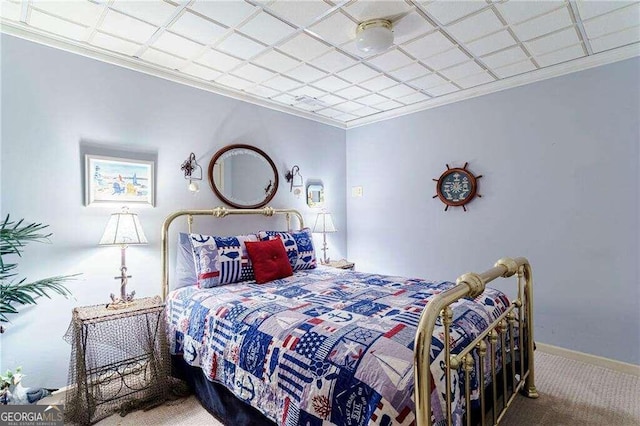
(221, 260)
(299, 246)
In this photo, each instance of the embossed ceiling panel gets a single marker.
(301, 53)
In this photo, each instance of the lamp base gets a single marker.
(120, 305)
(126, 299)
(325, 260)
(122, 302)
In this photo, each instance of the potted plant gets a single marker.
(14, 292)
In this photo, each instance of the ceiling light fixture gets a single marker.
(374, 36)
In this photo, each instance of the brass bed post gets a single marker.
(493, 340)
(482, 352)
(521, 313)
(447, 318)
(468, 367)
(530, 383)
(511, 319)
(503, 351)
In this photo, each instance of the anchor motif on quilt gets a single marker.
(338, 318)
(268, 296)
(192, 353)
(453, 392)
(444, 369)
(246, 392)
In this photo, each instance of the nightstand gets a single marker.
(119, 360)
(342, 264)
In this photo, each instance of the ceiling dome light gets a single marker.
(374, 36)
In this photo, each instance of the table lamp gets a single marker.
(123, 229)
(324, 225)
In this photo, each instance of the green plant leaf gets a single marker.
(14, 236)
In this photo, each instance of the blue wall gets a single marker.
(559, 158)
(52, 102)
(561, 183)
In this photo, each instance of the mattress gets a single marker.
(325, 346)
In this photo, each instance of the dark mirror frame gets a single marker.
(224, 199)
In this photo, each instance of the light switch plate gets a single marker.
(356, 191)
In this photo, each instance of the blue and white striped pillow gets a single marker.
(221, 260)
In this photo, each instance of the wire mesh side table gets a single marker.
(119, 360)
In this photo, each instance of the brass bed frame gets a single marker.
(439, 307)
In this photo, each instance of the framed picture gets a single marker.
(111, 180)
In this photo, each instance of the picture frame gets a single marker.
(118, 181)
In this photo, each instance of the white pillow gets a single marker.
(185, 263)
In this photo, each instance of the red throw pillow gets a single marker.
(269, 259)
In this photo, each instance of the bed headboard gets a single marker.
(217, 212)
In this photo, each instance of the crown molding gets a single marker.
(607, 57)
(51, 40)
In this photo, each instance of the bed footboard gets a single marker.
(498, 337)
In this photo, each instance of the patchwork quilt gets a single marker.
(324, 346)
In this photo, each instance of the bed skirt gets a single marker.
(216, 398)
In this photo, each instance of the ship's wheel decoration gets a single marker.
(456, 187)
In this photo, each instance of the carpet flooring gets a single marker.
(575, 393)
(572, 393)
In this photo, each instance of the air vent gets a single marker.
(311, 101)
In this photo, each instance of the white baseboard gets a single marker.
(611, 364)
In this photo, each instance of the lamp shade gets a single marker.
(123, 229)
(374, 36)
(324, 224)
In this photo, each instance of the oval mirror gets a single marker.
(243, 176)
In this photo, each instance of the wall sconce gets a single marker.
(295, 180)
(192, 171)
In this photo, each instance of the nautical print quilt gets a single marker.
(324, 346)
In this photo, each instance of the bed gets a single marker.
(329, 346)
